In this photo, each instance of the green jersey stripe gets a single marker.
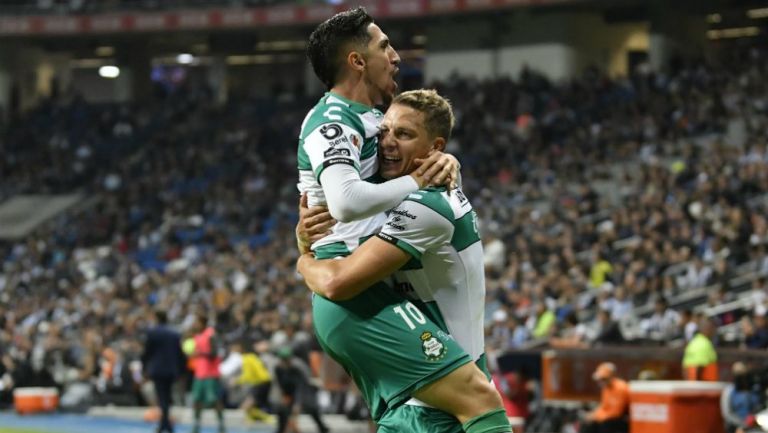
(329, 251)
(465, 231)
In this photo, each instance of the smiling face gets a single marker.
(380, 62)
(403, 138)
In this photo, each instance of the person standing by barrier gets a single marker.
(700, 358)
(611, 415)
(163, 362)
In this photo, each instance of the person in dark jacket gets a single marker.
(163, 363)
(293, 378)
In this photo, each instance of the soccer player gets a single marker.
(430, 243)
(206, 388)
(390, 359)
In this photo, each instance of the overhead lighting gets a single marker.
(714, 18)
(109, 71)
(758, 13)
(105, 51)
(259, 59)
(736, 32)
(88, 63)
(280, 45)
(185, 58)
(415, 53)
(200, 48)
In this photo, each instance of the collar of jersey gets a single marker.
(435, 188)
(356, 106)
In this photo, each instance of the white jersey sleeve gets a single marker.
(415, 228)
(330, 144)
(349, 198)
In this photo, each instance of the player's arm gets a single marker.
(411, 229)
(334, 153)
(350, 198)
(345, 278)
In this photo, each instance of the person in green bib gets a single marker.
(700, 358)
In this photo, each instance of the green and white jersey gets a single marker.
(446, 272)
(339, 131)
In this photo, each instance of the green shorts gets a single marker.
(386, 344)
(417, 419)
(206, 391)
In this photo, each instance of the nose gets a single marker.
(395, 58)
(385, 139)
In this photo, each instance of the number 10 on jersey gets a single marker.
(413, 312)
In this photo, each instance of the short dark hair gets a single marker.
(161, 316)
(333, 34)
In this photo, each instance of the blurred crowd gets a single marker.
(597, 198)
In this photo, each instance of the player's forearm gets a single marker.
(351, 198)
(328, 278)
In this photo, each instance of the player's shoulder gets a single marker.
(433, 198)
(451, 205)
(332, 114)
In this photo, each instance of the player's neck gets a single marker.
(354, 91)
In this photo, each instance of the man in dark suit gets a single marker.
(163, 363)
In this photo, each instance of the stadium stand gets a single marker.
(182, 220)
(623, 208)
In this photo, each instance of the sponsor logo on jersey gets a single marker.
(396, 222)
(404, 213)
(462, 198)
(338, 141)
(336, 152)
(385, 237)
(330, 131)
(433, 348)
(337, 160)
(355, 140)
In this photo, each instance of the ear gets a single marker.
(438, 144)
(356, 61)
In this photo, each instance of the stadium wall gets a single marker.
(559, 45)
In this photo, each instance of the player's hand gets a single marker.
(314, 223)
(437, 169)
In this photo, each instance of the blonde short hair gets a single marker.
(438, 114)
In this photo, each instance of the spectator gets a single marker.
(739, 403)
(664, 323)
(755, 332)
(544, 321)
(514, 391)
(690, 325)
(608, 331)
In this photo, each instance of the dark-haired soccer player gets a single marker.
(386, 355)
